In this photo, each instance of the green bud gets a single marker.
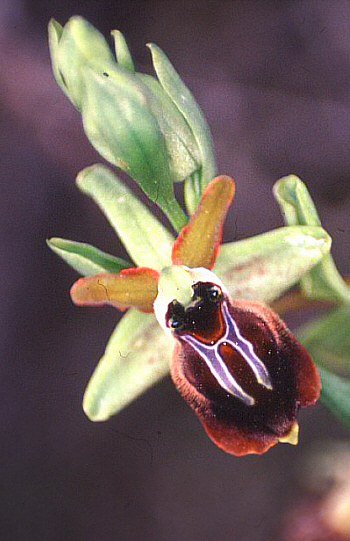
(135, 121)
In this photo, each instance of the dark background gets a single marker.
(273, 79)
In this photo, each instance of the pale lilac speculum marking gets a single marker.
(217, 365)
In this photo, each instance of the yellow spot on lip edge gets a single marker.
(292, 436)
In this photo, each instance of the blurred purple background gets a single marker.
(273, 79)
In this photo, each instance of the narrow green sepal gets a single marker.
(323, 282)
(147, 241)
(137, 356)
(263, 267)
(85, 258)
(184, 100)
(122, 52)
(335, 394)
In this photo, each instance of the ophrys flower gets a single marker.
(234, 361)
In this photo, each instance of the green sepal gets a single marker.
(137, 356)
(147, 241)
(335, 394)
(119, 123)
(323, 282)
(73, 47)
(122, 52)
(184, 100)
(328, 340)
(85, 258)
(261, 268)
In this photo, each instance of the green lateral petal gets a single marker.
(328, 340)
(86, 259)
(198, 242)
(137, 356)
(261, 268)
(73, 48)
(324, 281)
(131, 287)
(184, 100)
(122, 52)
(335, 394)
(148, 243)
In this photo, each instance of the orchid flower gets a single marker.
(233, 360)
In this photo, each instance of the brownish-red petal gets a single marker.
(198, 242)
(131, 287)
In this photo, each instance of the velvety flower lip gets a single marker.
(235, 362)
(237, 425)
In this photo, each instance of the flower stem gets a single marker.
(174, 213)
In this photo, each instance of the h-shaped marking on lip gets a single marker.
(211, 355)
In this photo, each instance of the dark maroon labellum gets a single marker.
(240, 369)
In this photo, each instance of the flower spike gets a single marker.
(198, 242)
(231, 358)
(131, 287)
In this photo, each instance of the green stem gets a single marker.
(174, 213)
(192, 191)
(209, 167)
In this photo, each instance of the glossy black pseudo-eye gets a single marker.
(175, 315)
(206, 292)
